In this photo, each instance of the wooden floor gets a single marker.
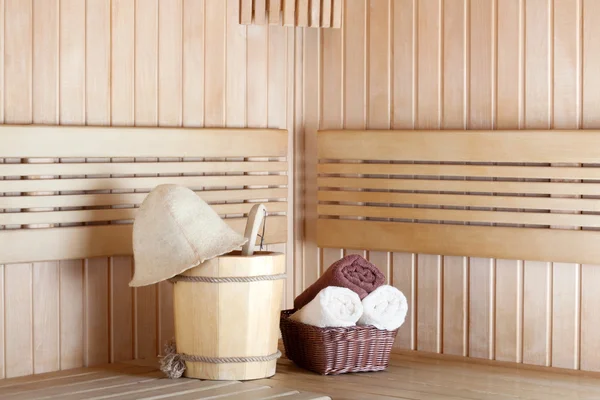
(408, 377)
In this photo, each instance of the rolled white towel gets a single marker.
(332, 307)
(385, 308)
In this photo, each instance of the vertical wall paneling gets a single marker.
(170, 113)
(46, 331)
(215, 68)
(538, 106)
(125, 63)
(72, 112)
(509, 115)
(455, 269)
(98, 112)
(429, 91)
(590, 274)
(482, 86)
(332, 113)
(566, 115)
(379, 88)
(489, 64)
(404, 95)
(193, 62)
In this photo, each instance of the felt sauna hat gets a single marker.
(175, 230)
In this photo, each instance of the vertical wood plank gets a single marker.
(98, 112)
(121, 309)
(332, 101)
(326, 9)
(455, 280)
(46, 329)
(302, 12)
(98, 61)
(236, 68)
(246, 12)
(429, 89)
(193, 62)
(591, 64)
(379, 88)
(72, 111)
(215, 64)
(538, 105)
(289, 12)
(403, 117)
(277, 78)
(481, 116)
(536, 313)
(260, 12)
(71, 314)
(312, 107)
(509, 116)
(566, 115)
(257, 83)
(2, 87)
(590, 274)
(337, 13)
(590, 318)
(123, 62)
(96, 312)
(170, 47)
(18, 61)
(18, 320)
(355, 66)
(275, 12)
(315, 13)
(146, 63)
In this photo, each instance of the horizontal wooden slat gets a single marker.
(91, 142)
(431, 199)
(77, 216)
(552, 188)
(556, 146)
(482, 171)
(92, 200)
(45, 185)
(551, 245)
(96, 241)
(117, 168)
(499, 217)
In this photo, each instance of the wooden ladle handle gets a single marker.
(255, 219)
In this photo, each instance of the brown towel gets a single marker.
(352, 272)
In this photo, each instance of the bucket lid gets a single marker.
(175, 230)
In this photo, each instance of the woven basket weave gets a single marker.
(334, 351)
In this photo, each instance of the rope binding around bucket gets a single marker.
(173, 363)
(232, 279)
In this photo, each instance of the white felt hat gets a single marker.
(175, 230)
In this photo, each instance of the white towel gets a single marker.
(332, 307)
(385, 308)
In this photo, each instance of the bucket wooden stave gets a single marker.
(227, 320)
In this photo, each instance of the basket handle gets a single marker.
(255, 220)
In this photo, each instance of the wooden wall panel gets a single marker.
(122, 62)
(489, 64)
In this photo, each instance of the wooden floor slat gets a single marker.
(410, 376)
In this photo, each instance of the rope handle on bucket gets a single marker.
(173, 363)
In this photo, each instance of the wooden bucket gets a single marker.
(233, 327)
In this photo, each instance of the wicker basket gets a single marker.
(334, 351)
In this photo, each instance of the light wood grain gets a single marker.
(246, 12)
(208, 322)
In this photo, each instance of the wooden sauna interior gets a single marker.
(391, 65)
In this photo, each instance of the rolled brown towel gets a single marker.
(352, 272)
